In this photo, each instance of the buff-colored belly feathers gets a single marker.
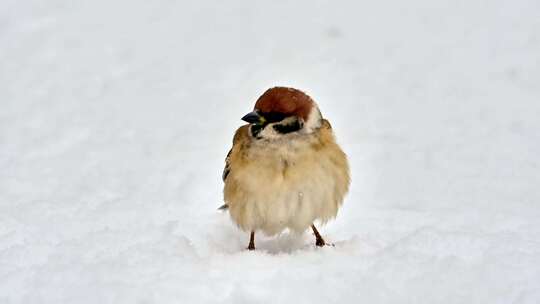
(278, 185)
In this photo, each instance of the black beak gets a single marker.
(253, 118)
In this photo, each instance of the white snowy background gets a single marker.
(116, 116)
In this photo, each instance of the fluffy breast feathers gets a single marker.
(274, 185)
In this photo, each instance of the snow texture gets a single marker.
(116, 117)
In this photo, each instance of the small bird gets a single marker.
(285, 169)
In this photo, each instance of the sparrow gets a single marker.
(285, 169)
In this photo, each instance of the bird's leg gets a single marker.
(251, 241)
(319, 240)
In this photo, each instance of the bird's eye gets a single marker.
(272, 117)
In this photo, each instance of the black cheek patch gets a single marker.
(288, 128)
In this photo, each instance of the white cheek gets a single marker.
(314, 119)
(269, 132)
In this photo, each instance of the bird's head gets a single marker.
(280, 112)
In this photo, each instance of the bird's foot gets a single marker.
(323, 243)
(251, 245)
(319, 241)
(319, 245)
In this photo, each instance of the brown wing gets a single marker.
(227, 168)
(326, 124)
(239, 136)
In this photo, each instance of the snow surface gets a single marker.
(116, 117)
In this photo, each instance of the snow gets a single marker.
(116, 117)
